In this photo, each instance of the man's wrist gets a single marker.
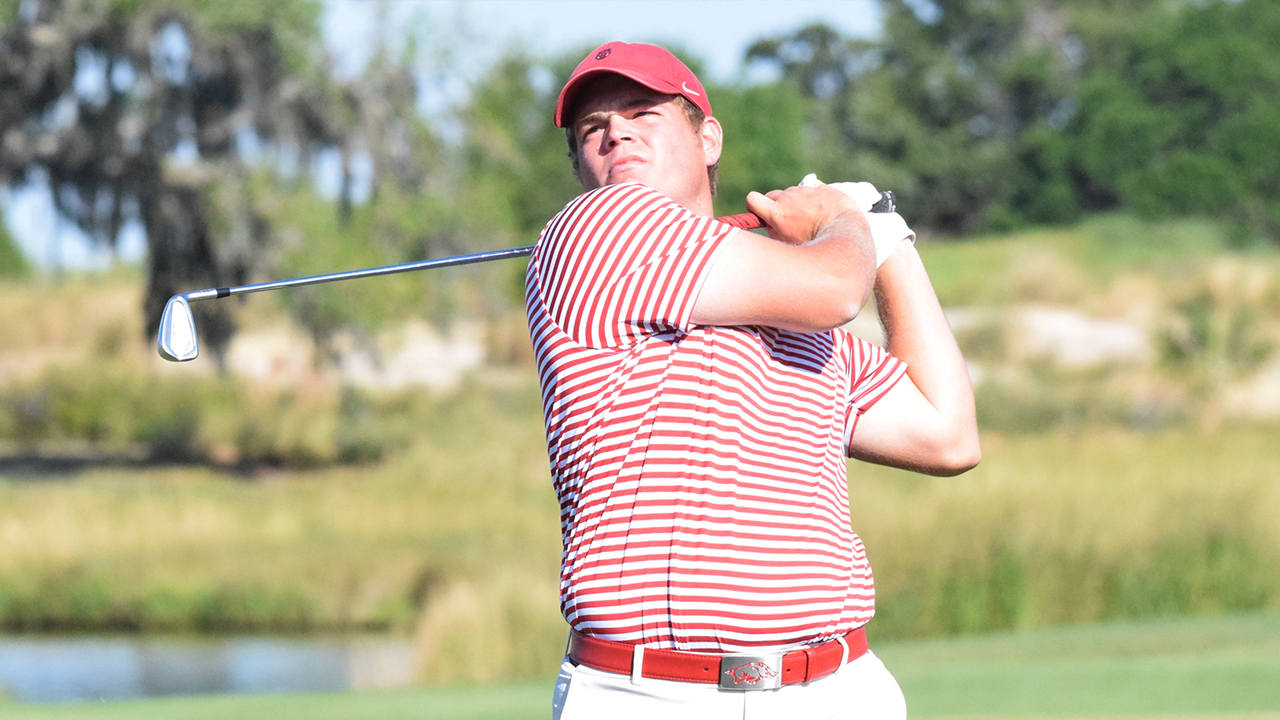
(889, 231)
(899, 259)
(852, 225)
(841, 219)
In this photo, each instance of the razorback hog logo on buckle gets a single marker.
(751, 673)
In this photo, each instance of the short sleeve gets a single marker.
(623, 263)
(874, 373)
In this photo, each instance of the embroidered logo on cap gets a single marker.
(685, 88)
(604, 53)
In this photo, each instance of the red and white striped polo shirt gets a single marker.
(700, 469)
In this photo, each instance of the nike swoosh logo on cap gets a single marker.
(685, 88)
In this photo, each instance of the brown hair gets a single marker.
(692, 113)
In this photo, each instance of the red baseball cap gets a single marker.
(649, 65)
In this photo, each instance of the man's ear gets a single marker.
(712, 140)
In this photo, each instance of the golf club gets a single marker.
(177, 340)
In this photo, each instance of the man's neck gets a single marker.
(698, 203)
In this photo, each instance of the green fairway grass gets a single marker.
(1173, 667)
(1202, 667)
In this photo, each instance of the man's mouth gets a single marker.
(626, 163)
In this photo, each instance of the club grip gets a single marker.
(751, 221)
(745, 221)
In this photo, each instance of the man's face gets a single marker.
(627, 132)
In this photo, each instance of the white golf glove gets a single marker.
(888, 229)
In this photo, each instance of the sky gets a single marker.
(467, 37)
(718, 31)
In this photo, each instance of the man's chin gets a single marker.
(628, 176)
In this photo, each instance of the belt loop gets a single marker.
(843, 658)
(637, 664)
(809, 665)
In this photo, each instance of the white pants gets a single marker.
(862, 690)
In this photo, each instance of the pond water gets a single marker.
(37, 669)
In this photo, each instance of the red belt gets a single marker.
(739, 671)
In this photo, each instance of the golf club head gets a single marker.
(177, 338)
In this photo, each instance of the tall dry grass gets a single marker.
(1075, 527)
(456, 541)
(179, 548)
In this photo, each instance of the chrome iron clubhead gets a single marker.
(177, 337)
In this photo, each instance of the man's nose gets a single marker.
(618, 129)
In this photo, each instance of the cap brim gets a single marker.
(569, 95)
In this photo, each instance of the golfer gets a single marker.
(700, 402)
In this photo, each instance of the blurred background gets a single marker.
(349, 489)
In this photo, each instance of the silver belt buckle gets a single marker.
(751, 672)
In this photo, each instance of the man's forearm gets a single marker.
(814, 272)
(919, 335)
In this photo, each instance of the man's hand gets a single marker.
(888, 229)
(863, 193)
(798, 215)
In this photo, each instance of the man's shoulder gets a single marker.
(625, 189)
(611, 213)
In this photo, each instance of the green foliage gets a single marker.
(764, 147)
(998, 590)
(1191, 575)
(1042, 189)
(9, 12)
(82, 601)
(1120, 132)
(294, 25)
(249, 70)
(207, 420)
(12, 263)
(498, 188)
(519, 172)
(398, 227)
(314, 240)
(993, 115)
(935, 110)
(1182, 115)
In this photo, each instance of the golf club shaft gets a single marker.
(222, 292)
(744, 221)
